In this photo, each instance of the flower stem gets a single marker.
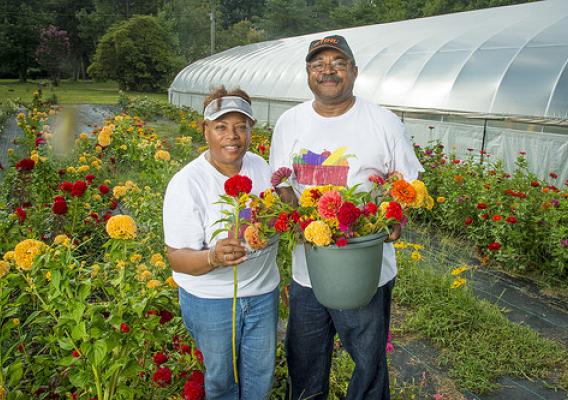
(235, 285)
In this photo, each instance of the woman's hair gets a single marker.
(221, 91)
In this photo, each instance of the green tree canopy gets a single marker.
(138, 53)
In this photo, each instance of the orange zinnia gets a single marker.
(403, 192)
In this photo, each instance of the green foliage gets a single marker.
(138, 53)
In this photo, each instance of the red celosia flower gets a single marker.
(294, 216)
(511, 220)
(481, 206)
(280, 175)
(281, 224)
(194, 387)
(304, 224)
(165, 316)
(341, 242)
(124, 328)
(348, 213)
(238, 184)
(66, 186)
(198, 355)
(59, 206)
(162, 377)
(497, 218)
(160, 358)
(370, 209)
(494, 246)
(25, 164)
(79, 188)
(103, 189)
(394, 210)
(468, 221)
(21, 213)
(185, 349)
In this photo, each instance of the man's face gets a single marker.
(331, 76)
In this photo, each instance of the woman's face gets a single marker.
(229, 138)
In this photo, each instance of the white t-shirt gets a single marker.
(374, 141)
(190, 214)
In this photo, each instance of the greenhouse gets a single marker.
(492, 80)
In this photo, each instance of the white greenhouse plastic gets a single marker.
(493, 79)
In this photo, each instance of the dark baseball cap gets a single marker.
(336, 42)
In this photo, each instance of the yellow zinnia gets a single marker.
(171, 283)
(162, 155)
(416, 256)
(154, 283)
(119, 191)
(121, 227)
(459, 270)
(8, 256)
(61, 239)
(4, 268)
(104, 140)
(156, 258)
(318, 233)
(26, 251)
(458, 283)
(441, 199)
(421, 193)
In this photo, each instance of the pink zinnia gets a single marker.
(281, 174)
(329, 204)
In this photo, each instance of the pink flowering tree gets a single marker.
(52, 51)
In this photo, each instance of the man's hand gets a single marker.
(228, 252)
(395, 232)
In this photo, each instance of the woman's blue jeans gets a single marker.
(209, 323)
(310, 340)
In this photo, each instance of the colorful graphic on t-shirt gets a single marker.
(327, 168)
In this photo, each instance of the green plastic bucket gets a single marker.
(347, 277)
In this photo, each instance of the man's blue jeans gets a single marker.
(209, 323)
(363, 333)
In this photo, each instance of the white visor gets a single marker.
(227, 104)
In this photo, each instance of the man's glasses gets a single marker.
(336, 65)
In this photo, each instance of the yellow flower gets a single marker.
(384, 207)
(243, 200)
(268, 198)
(429, 203)
(155, 258)
(171, 283)
(84, 168)
(4, 268)
(162, 155)
(416, 246)
(26, 251)
(129, 184)
(71, 170)
(61, 239)
(118, 118)
(416, 256)
(121, 227)
(10, 152)
(104, 140)
(143, 275)
(202, 149)
(83, 136)
(421, 193)
(48, 276)
(154, 283)
(95, 270)
(96, 163)
(252, 237)
(8, 256)
(441, 199)
(135, 258)
(458, 283)
(96, 197)
(318, 233)
(35, 157)
(16, 322)
(82, 159)
(400, 245)
(123, 147)
(98, 149)
(119, 191)
(21, 116)
(121, 264)
(459, 270)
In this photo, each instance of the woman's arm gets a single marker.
(226, 252)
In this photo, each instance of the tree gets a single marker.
(233, 11)
(53, 51)
(239, 34)
(138, 53)
(287, 18)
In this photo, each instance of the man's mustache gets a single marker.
(329, 78)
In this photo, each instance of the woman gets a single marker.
(200, 265)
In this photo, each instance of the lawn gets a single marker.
(68, 92)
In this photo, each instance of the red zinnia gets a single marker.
(165, 316)
(21, 213)
(198, 355)
(59, 205)
(162, 377)
(485, 216)
(238, 184)
(194, 388)
(494, 246)
(294, 216)
(124, 328)
(160, 358)
(66, 186)
(304, 224)
(370, 209)
(481, 206)
(103, 189)
(348, 213)
(90, 178)
(185, 349)
(281, 224)
(468, 221)
(497, 218)
(79, 188)
(394, 210)
(25, 164)
(511, 220)
(535, 184)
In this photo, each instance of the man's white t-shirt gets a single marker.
(372, 140)
(190, 214)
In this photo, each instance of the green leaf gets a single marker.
(78, 379)
(56, 279)
(65, 343)
(78, 311)
(84, 291)
(79, 331)
(218, 231)
(100, 351)
(140, 306)
(15, 371)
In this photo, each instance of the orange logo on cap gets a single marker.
(328, 40)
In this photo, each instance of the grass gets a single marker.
(69, 92)
(478, 344)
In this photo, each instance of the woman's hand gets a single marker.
(227, 252)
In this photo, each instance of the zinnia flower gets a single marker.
(103, 189)
(403, 192)
(370, 209)
(21, 214)
(25, 164)
(121, 227)
(4, 268)
(394, 210)
(165, 316)
(377, 180)
(59, 205)
(280, 175)
(194, 387)
(160, 358)
(329, 204)
(26, 251)
(238, 184)
(318, 233)
(162, 155)
(458, 283)
(468, 221)
(79, 188)
(124, 328)
(281, 224)
(162, 377)
(347, 215)
(421, 193)
(511, 220)
(494, 246)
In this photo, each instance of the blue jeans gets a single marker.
(310, 340)
(209, 322)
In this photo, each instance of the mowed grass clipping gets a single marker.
(69, 92)
(478, 344)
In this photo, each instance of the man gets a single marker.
(376, 144)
